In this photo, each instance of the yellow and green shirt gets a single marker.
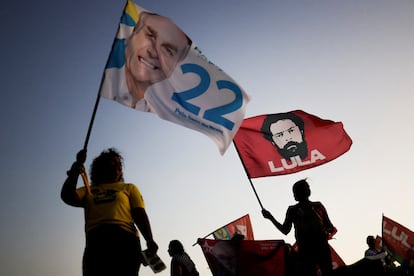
(111, 204)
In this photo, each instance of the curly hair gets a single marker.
(104, 168)
(273, 118)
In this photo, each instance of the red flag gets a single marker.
(399, 240)
(336, 259)
(241, 226)
(244, 258)
(286, 143)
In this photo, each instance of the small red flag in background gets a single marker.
(399, 240)
(336, 259)
(242, 226)
(245, 257)
(285, 143)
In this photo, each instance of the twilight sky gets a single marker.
(350, 61)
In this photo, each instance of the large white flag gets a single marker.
(155, 67)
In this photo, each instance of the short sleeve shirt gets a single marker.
(112, 204)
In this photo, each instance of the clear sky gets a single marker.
(350, 61)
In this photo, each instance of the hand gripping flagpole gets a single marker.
(248, 176)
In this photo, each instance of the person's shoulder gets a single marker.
(130, 185)
(316, 204)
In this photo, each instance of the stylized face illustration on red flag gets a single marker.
(285, 143)
(286, 132)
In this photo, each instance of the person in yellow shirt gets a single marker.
(113, 211)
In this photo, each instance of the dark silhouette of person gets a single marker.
(371, 250)
(313, 228)
(181, 263)
(113, 212)
(286, 132)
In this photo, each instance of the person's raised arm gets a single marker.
(284, 228)
(68, 193)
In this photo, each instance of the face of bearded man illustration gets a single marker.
(286, 132)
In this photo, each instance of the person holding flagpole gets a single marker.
(313, 228)
(113, 211)
(181, 263)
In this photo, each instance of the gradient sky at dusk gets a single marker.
(350, 61)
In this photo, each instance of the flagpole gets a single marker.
(85, 145)
(95, 108)
(248, 176)
(98, 97)
(383, 245)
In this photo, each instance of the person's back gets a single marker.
(309, 227)
(181, 263)
(312, 230)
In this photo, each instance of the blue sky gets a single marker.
(349, 61)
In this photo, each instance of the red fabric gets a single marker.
(336, 260)
(325, 139)
(241, 226)
(398, 240)
(244, 258)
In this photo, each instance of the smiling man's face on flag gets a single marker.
(152, 51)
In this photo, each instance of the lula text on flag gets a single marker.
(398, 240)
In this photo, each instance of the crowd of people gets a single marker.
(115, 217)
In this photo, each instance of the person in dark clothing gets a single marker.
(313, 228)
(181, 263)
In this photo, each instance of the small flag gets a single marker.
(285, 143)
(245, 257)
(336, 259)
(398, 241)
(155, 67)
(241, 226)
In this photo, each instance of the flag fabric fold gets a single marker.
(245, 257)
(285, 143)
(241, 226)
(154, 66)
(336, 259)
(398, 241)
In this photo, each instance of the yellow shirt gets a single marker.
(111, 204)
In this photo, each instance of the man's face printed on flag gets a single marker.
(288, 138)
(153, 50)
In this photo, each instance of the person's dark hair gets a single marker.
(176, 247)
(272, 118)
(371, 241)
(301, 189)
(103, 167)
